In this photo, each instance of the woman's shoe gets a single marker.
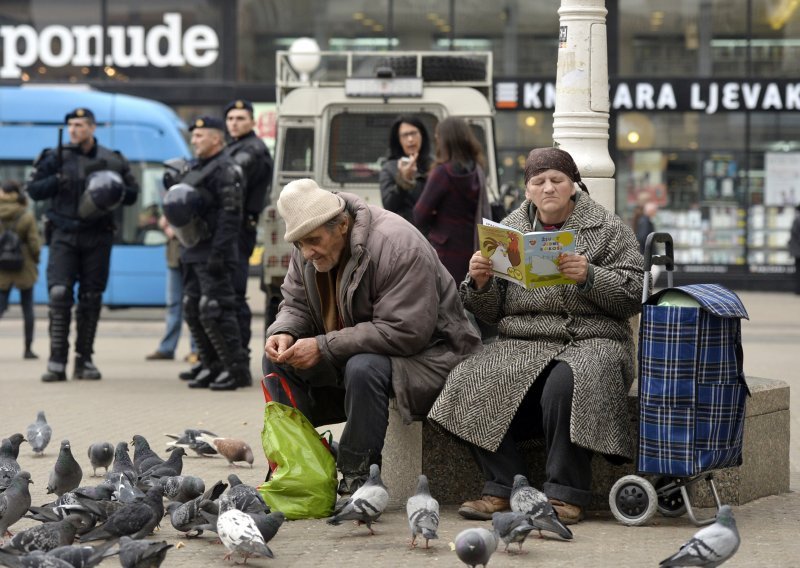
(30, 355)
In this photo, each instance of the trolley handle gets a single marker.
(667, 259)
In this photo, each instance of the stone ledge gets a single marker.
(454, 477)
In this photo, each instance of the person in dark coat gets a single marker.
(794, 248)
(405, 171)
(14, 214)
(454, 199)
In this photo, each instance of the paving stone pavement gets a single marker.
(139, 397)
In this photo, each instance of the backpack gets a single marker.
(11, 258)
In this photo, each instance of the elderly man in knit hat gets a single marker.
(563, 361)
(368, 312)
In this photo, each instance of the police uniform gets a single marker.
(83, 189)
(205, 210)
(251, 154)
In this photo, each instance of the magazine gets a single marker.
(529, 259)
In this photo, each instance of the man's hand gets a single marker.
(276, 345)
(304, 354)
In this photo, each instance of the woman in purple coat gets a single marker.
(448, 209)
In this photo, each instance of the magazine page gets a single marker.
(542, 250)
(503, 245)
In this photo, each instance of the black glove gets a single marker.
(215, 264)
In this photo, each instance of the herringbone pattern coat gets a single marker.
(589, 330)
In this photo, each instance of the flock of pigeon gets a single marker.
(128, 505)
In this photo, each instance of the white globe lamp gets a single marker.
(304, 56)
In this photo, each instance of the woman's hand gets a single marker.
(480, 269)
(407, 167)
(574, 266)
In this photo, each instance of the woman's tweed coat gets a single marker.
(589, 330)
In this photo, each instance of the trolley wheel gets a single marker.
(670, 503)
(633, 500)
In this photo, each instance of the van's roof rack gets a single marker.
(433, 68)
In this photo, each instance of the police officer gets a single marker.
(85, 182)
(251, 154)
(205, 210)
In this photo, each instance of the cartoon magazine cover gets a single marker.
(530, 259)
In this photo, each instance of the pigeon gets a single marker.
(512, 527)
(532, 502)
(47, 536)
(238, 532)
(245, 497)
(38, 434)
(187, 517)
(71, 503)
(366, 504)
(182, 488)
(8, 465)
(35, 559)
(14, 502)
(143, 457)
(101, 454)
(83, 555)
(16, 440)
(66, 474)
(122, 464)
(710, 546)
(142, 553)
(124, 491)
(231, 449)
(137, 519)
(172, 467)
(189, 441)
(475, 546)
(423, 513)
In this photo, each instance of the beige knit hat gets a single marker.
(304, 206)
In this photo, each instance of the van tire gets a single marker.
(439, 68)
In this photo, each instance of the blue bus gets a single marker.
(146, 132)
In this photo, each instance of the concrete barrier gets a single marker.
(454, 477)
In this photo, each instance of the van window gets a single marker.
(360, 141)
(298, 151)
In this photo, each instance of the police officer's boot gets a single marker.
(87, 315)
(238, 376)
(60, 313)
(192, 373)
(206, 370)
(222, 330)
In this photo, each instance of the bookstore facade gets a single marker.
(705, 95)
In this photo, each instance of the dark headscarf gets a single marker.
(543, 159)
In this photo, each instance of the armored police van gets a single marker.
(333, 124)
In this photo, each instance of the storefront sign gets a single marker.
(705, 96)
(163, 45)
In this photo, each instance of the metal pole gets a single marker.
(580, 119)
(452, 23)
(390, 26)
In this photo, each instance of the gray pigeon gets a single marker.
(171, 467)
(35, 559)
(187, 517)
(143, 457)
(14, 502)
(124, 491)
(246, 497)
(142, 553)
(366, 504)
(47, 536)
(101, 454)
(38, 434)
(16, 440)
(512, 527)
(189, 441)
(66, 474)
(710, 546)
(475, 546)
(423, 513)
(83, 555)
(238, 532)
(122, 464)
(182, 488)
(532, 502)
(137, 519)
(8, 465)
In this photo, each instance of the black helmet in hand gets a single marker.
(183, 208)
(104, 192)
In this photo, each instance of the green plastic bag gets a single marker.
(303, 482)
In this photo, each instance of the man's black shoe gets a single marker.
(231, 381)
(55, 372)
(204, 378)
(192, 373)
(85, 369)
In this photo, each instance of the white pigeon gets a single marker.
(239, 533)
(423, 513)
(366, 504)
(711, 545)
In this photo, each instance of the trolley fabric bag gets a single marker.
(302, 480)
(692, 388)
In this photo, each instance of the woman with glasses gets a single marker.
(405, 172)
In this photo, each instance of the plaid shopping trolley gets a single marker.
(692, 394)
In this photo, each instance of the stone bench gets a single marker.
(454, 477)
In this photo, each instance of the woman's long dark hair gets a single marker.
(396, 149)
(455, 142)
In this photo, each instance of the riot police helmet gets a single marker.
(104, 192)
(183, 208)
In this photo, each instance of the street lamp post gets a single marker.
(580, 119)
